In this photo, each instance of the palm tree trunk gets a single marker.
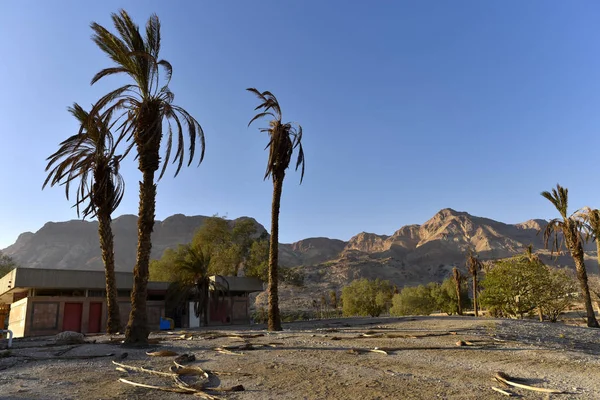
(137, 329)
(475, 295)
(113, 324)
(585, 290)
(274, 317)
(459, 306)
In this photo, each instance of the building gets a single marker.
(49, 301)
(233, 307)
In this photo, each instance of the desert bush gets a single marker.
(517, 286)
(415, 300)
(425, 299)
(366, 297)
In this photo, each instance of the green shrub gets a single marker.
(416, 300)
(366, 297)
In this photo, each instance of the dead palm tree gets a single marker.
(474, 266)
(89, 158)
(283, 139)
(590, 219)
(458, 279)
(570, 229)
(143, 106)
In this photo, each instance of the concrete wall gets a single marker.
(44, 315)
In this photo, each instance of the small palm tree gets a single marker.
(89, 158)
(283, 139)
(569, 227)
(144, 105)
(457, 279)
(474, 266)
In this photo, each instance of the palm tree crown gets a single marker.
(283, 137)
(92, 151)
(144, 104)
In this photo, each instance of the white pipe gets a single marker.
(10, 336)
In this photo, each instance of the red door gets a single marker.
(72, 317)
(95, 321)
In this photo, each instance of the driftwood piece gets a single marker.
(362, 351)
(504, 378)
(161, 353)
(163, 388)
(226, 351)
(145, 370)
(504, 392)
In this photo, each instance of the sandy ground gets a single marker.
(314, 360)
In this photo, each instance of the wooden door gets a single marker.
(95, 321)
(72, 317)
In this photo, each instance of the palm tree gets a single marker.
(457, 278)
(474, 266)
(143, 106)
(590, 219)
(89, 157)
(283, 139)
(570, 229)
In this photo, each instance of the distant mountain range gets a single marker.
(413, 254)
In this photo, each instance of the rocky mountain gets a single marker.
(412, 255)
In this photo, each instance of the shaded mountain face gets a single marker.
(413, 254)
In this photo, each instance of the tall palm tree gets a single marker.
(569, 226)
(89, 157)
(283, 139)
(474, 266)
(458, 279)
(143, 106)
(590, 219)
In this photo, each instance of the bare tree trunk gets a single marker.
(475, 294)
(113, 324)
(457, 279)
(274, 317)
(585, 290)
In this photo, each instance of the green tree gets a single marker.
(366, 297)
(515, 286)
(417, 300)
(474, 266)
(144, 105)
(89, 158)
(283, 139)
(7, 264)
(569, 228)
(446, 298)
(257, 265)
(557, 294)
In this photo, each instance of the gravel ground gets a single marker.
(314, 360)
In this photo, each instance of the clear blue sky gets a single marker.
(407, 107)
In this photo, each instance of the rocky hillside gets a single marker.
(412, 255)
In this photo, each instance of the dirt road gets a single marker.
(418, 358)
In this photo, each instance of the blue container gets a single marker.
(166, 323)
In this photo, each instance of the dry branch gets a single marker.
(504, 378)
(161, 353)
(504, 392)
(163, 388)
(145, 370)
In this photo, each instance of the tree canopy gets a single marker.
(7, 264)
(366, 297)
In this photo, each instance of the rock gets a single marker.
(69, 337)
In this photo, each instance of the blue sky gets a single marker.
(407, 107)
